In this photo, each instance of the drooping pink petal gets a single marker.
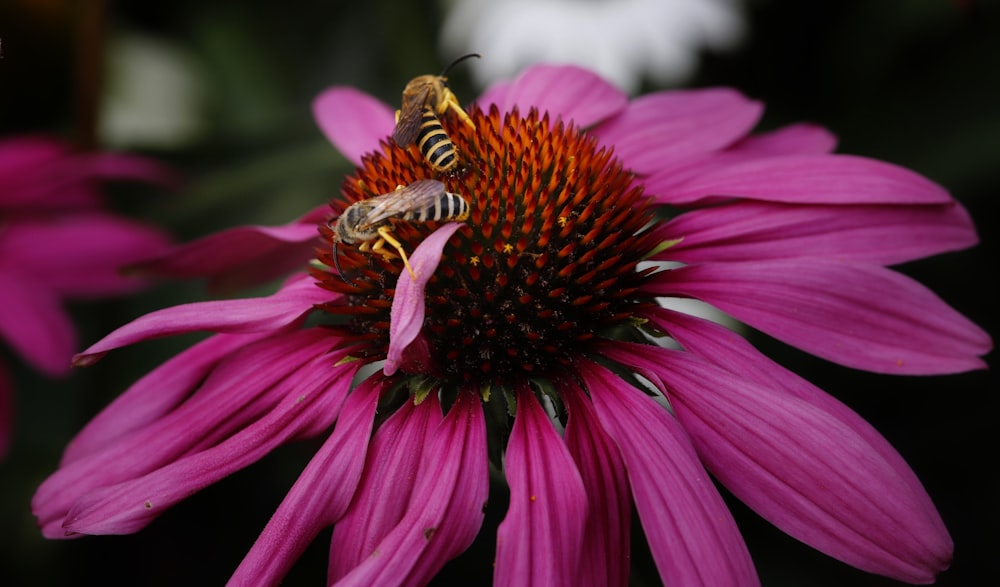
(34, 323)
(239, 391)
(320, 495)
(387, 483)
(353, 121)
(285, 306)
(81, 254)
(242, 256)
(794, 139)
(862, 316)
(407, 313)
(565, 91)
(693, 537)
(6, 411)
(752, 230)
(605, 559)
(728, 350)
(678, 125)
(800, 467)
(154, 395)
(541, 538)
(446, 506)
(314, 391)
(803, 179)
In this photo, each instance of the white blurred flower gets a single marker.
(155, 96)
(623, 40)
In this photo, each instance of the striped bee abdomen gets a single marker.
(447, 206)
(434, 143)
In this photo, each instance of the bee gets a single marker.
(425, 200)
(426, 98)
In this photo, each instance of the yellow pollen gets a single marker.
(563, 220)
(508, 248)
(474, 260)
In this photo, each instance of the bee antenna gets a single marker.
(459, 60)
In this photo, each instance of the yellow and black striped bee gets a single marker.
(426, 98)
(425, 200)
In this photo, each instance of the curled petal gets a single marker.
(679, 125)
(353, 121)
(282, 308)
(880, 234)
(242, 256)
(34, 323)
(605, 559)
(693, 537)
(541, 538)
(320, 495)
(800, 467)
(808, 179)
(569, 92)
(407, 314)
(862, 316)
(390, 473)
(445, 509)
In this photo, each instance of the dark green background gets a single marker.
(911, 82)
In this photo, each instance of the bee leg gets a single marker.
(386, 237)
(448, 100)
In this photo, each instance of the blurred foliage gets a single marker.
(912, 82)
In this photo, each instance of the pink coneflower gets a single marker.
(57, 242)
(533, 337)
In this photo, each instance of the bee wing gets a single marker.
(416, 196)
(411, 115)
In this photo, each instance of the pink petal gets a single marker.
(320, 495)
(879, 234)
(605, 558)
(691, 534)
(239, 391)
(282, 308)
(805, 179)
(81, 254)
(407, 313)
(41, 173)
(446, 506)
(387, 483)
(678, 125)
(242, 256)
(353, 121)
(794, 139)
(541, 538)
(568, 92)
(728, 350)
(862, 316)
(130, 506)
(800, 467)
(6, 411)
(154, 395)
(34, 324)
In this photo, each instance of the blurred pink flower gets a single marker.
(57, 242)
(542, 306)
